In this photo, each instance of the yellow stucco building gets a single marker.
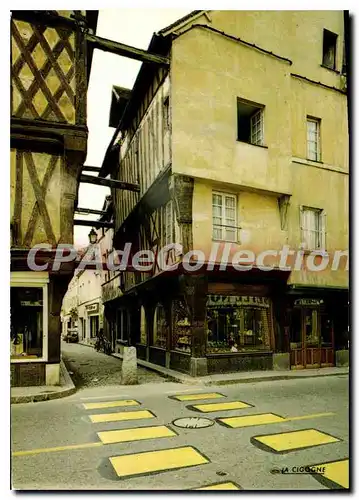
(240, 145)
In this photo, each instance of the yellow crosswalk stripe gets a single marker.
(136, 434)
(121, 416)
(197, 397)
(334, 473)
(220, 486)
(250, 420)
(295, 440)
(265, 418)
(110, 404)
(210, 407)
(151, 462)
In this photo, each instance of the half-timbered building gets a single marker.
(50, 65)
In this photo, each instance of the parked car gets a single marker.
(72, 336)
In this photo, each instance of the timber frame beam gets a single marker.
(121, 49)
(112, 183)
(90, 169)
(93, 223)
(89, 211)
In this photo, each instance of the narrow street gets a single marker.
(241, 436)
(89, 368)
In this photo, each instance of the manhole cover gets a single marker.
(193, 422)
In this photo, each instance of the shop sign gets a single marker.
(308, 302)
(236, 300)
(92, 308)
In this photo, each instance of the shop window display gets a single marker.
(181, 336)
(26, 331)
(160, 328)
(237, 323)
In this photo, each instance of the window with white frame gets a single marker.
(250, 122)
(257, 128)
(313, 228)
(313, 139)
(224, 207)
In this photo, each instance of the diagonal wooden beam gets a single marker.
(112, 183)
(125, 50)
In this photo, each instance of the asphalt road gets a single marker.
(61, 444)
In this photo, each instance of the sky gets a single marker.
(133, 27)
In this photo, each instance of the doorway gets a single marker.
(312, 339)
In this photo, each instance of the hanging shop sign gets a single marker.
(92, 308)
(308, 302)
(236, 300)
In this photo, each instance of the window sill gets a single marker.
(255, 145)
(317, 164)
(313, 161)
(330, 69)
(320, 251)
(179, 351)
(27, 359)
(226, 241)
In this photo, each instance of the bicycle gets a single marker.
(103, 344)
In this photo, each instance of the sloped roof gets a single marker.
(160, 44)
(187, 17)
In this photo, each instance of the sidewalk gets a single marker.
(44, 392)
(242, 377)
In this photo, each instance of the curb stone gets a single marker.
(186, 379)
(69, 388)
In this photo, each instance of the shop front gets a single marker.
(226, 329)
(29, 328)
(318, 327)
(312, 335)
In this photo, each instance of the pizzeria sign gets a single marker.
(92, 308)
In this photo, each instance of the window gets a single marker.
(167, 224)
(27, 322)
(181, 331)
(166, 113)
(94, 324)
(224, 207)
(329, 49)
(313, 139)
(160, 327)
(143, 327)
(122, 322)
(237, 323)
(250, 122)
(313, 228)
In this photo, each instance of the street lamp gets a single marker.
(92, 236)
